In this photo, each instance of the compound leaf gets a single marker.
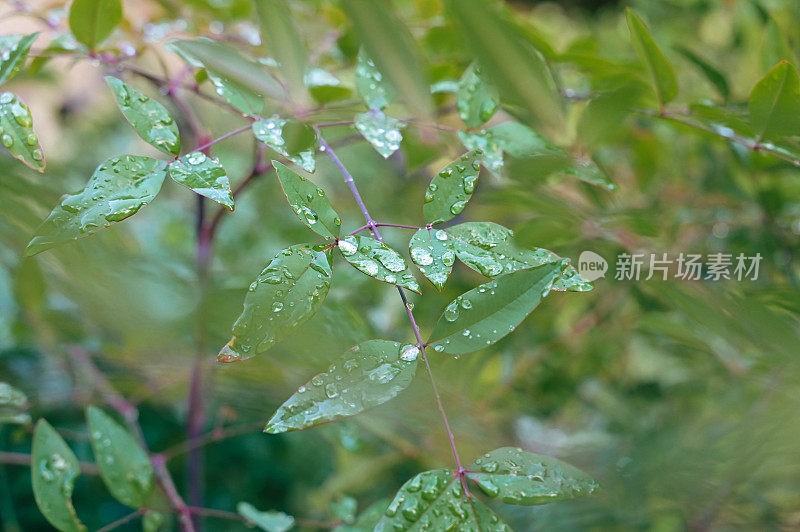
(380, 130)
(205, 176)
(477, 98)
(377, 260)
(54, 470)
(774, 103)
(518, 477)
(373, 87)
(271, 521)
(148, 117)
(487, 313)
(124, 466)
(118, 189)
(432, 251)
(309, 202)
(450, 189)
(286, 294)
(16, 132)
(91, 21)
(296, 141)
(367, 375)
(659, 67)
(13, 53)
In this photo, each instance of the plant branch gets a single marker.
(162, 473)
(24, 459)
(210, 437)
(121, 521)
(368, 226)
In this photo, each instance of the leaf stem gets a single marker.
(121, 521)
(223, 137)
(383, 225)
(324, 146)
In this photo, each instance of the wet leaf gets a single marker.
(774, 103)
(513, 65)
(54, 470)
(517, 140)
(368, 519)
(148, 117)
(434, 500)
(13, 53)
(373, 87)
(367, 375)
(659, 67)
(124, 466)
(286, 294)
(118, 189)
(91, 21)
(477, 97)
(432, 250)
(378, 260)
(382, 131)
(204, 175)
(309, 202)
(392, 48)
(16, 132)
(294, 140)
(518, 477)
(282, 41)
(12, 403)
(485, 314)
(492, 151)
(450, 189)
(587, 171)
(271, 521)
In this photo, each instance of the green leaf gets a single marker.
(659, 67)
(602, 117)
(776, 47)
(478, 99)
(309, 203)
(124, 466)
(432, 250)
(204, 175)
(373, 87)
(713, 74)
(227, 63)
(518, 70)
(282, 40)
(377, 260)
(434, 500)
(450, 189)
(152, 521)
(492, 157)
(344, 509)
(380, 130)
(368, 519)
(393, 50)
(774, 103)
(13, 53)
(294, 140)
(286, 294)
(16, 132)
(271, 521)
(12, 401)
(519, 477)
(517, 140)
(54, 470)
(587, 171)
(367, 375)
(118, 189)
(91, 21)
(487, 313)
(148, 117)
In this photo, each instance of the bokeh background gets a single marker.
(680, 397)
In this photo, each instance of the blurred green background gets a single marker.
(680, 397)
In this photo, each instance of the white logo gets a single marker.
(592, 266)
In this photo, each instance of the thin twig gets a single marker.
(210, 437)
(24, 459)
(121, 521)
(161, 471)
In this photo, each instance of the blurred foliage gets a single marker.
(679, 397)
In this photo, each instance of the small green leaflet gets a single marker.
(294, 140)
(152, 521)
(378, 260)
(204, 175)
(489, 249)
(380, 130)
(286, 294)
(124, 466)
(54, 470)
(12, 402)
(13, 53)
(91, 21)
(485, 314)
(270, 521)
(518, 477)
(712, 73)
(774, 103)
(477, 97)
(368, 519)
(367, 375)
(433, 252)
(434, 500)
(309, 202)
(16, 132)
(118, 189)
(148, 117)
(451, 189)
(344, 509)
(659, 67)
(376, 91)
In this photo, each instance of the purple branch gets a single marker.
(368, 226)
(223, 137)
